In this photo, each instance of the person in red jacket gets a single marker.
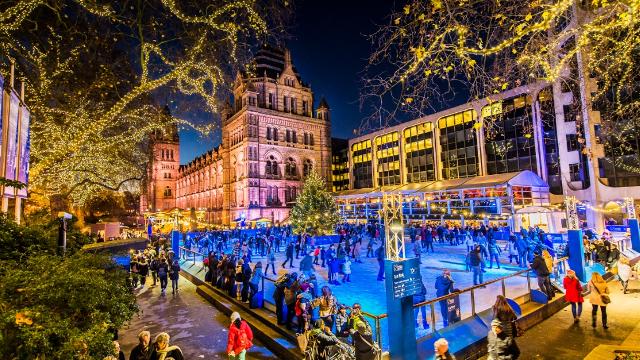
(240, 337)
(573, 294)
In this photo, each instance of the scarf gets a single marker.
(162, 354)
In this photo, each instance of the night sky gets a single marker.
(329, 49)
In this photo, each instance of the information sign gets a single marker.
(406, 278)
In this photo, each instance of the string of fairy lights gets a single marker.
(88, 144)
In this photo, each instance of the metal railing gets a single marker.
(558, 270)
(622, 244)
(192, 255)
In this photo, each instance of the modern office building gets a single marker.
(514, 158)
(511, 159)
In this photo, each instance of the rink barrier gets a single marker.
(559, 270)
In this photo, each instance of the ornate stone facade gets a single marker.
(271, 139)
(159, 187)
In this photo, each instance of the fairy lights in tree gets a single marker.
(98, 76)
(429, 49)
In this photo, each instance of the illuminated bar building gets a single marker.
(508, 160)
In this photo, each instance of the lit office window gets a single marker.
(459, 145)
(388, 159)
(418, 149)
(509, 140)
(362, 168)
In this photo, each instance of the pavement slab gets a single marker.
(194, 325)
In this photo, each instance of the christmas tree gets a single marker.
(315, 211)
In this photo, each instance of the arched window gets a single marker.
(290, 168)
(308, 167)
(167, 192)
(271, 167)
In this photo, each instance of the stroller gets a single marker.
(338, 351)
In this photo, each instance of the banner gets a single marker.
(2, 92)
(25, 151)
(12, 141)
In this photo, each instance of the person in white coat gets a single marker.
(624, 272)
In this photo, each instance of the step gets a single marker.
(263, 323)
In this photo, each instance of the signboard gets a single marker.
(630, 206)
(2, 93)
(12, 141)
(558, 240)
(453, 309)
(571, 205)
(617, 228)
(25, 151)
(406, 279)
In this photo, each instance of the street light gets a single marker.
(62, 232)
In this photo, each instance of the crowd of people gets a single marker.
(328, 326)
(158, 261)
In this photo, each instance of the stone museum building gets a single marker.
(272, 138)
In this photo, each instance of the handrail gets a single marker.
(474, 287)
(377, 318)
(435, 300)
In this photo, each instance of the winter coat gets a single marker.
(475, 259)
(594, 296)
(327, 305)
(540, 266)
(320, 341)
(421, 296)
(170, 352)
(239, 338)
(163, 270)
(342, 325)
(511, 248)
(444, 285)
(174, 272)
(307, 263)
(140, 353)
(363, 343)
(346, 267)
(624, 271)
(256, 276)
(501, 347)
(573, 289)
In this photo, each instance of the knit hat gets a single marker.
(235, 316)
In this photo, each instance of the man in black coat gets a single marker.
(542, 272)
(142, 351)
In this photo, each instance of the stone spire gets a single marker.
(287, 59)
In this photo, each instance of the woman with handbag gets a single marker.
(599, 296)
(573, 294)
(328, 305)
(363, 342)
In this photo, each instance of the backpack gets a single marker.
(162, 271)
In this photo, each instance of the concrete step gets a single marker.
(263, 323)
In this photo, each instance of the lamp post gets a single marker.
(62, 232)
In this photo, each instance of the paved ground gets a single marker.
(559, 338)
(193, 324)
